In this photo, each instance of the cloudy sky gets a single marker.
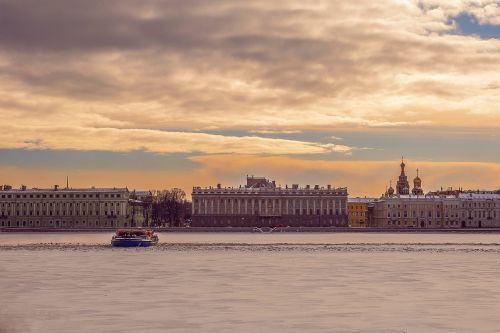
(153, 94)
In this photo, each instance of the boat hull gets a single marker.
(131, 242)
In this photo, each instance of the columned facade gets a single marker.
(261, 203)
(64, 208)
(465, 210)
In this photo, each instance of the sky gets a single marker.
(157, 94)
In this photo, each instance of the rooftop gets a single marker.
(64, 190)
(361, 200)
(470, 195)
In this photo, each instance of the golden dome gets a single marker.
(417, 181)
(390, 191)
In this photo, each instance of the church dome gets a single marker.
(417, 182)
(390, 191)
(417, 186)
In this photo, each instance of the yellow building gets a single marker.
(358, 211)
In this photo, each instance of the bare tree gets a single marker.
(170, 207)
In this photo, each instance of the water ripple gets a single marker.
(278, 247)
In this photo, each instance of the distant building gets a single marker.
(479, 210)
(360, 212)
(417, 212)
(261, 203)
(64, 208)
(440, 209)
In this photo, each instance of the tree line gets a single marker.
(170, 208)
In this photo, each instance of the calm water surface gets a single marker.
(251, 283)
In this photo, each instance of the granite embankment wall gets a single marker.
(284, 229)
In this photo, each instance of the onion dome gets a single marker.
(417, 182)
(390, 191)
(417, 186)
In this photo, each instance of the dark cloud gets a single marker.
(191, 60)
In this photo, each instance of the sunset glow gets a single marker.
(181, 93)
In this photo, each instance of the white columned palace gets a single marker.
(261, 203)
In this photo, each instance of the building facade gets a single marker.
(440, 209)
(479, 210)
(360, 212)
(64, 208)
(411, 211)
(466, 210)
(261, 203)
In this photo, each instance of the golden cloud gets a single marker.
(253, 66)
(155, 141)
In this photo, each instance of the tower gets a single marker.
(402, 186)
(417, 186)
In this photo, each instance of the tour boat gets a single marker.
(134, 238)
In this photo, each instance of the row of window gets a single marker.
(422, 223)
(477, 214)
(297, 211)
(58, 213)
(357, 207)
(63, 204)
(464, 205)
(18, 196)
(357, 213)
(58, 223)
(268, 202)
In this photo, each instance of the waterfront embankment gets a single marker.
(269, 230)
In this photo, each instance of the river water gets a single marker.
(237, 282)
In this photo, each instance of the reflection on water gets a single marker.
(250, 283)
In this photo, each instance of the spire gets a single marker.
(402, 186)
(67, 182)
